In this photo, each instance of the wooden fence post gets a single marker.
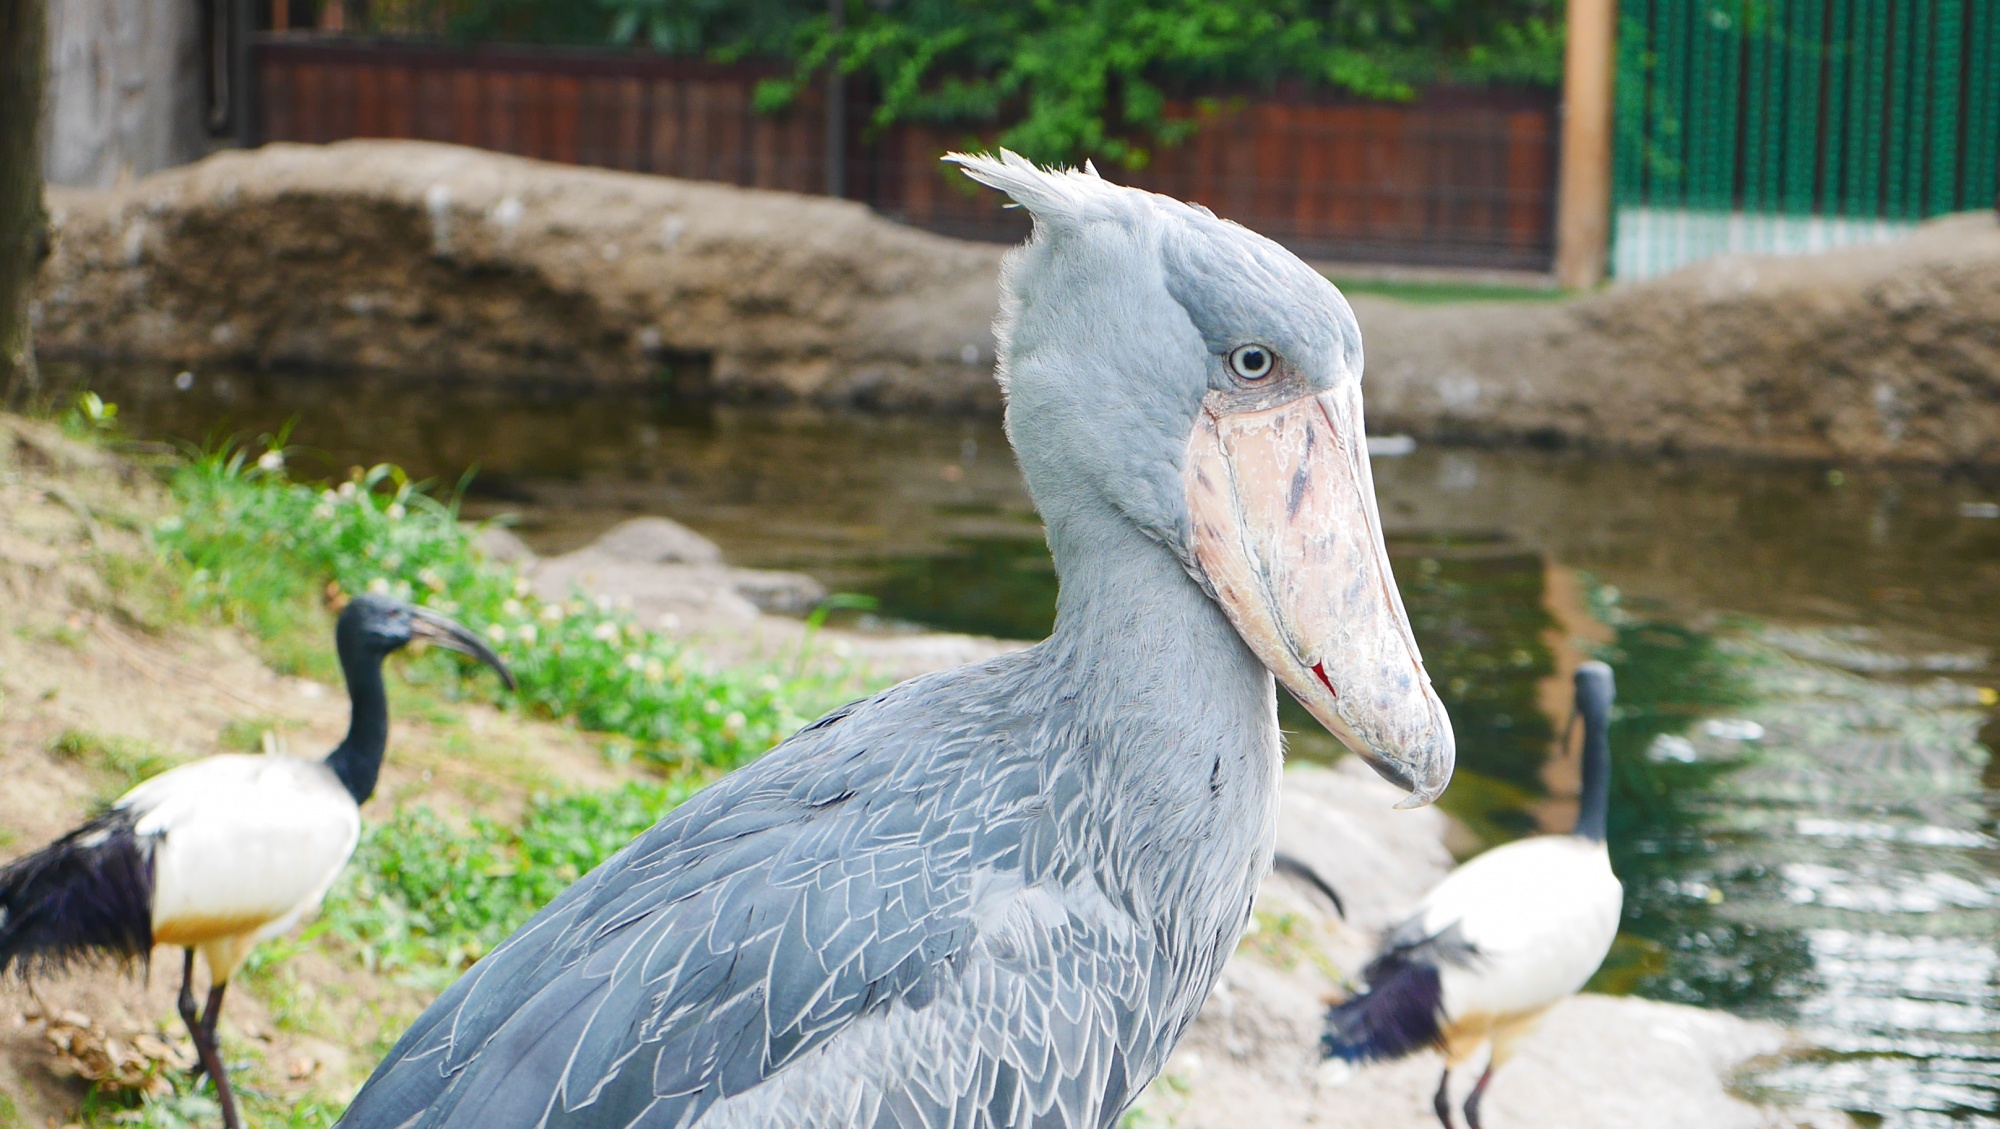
(1583, 190)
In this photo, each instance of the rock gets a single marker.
(679, 598)
(503, 546)
(1251, 1058)
(658, 540)
(671, 576)
(778, 593)
(674, 579)
(419, 258)
(1889, 352)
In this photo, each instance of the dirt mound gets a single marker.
(430, 259)
(1880, 353)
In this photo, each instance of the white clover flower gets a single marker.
(328, 496)
(552, 613)
(511, 609)
(348, 490)
(734, 721)
(633, 660)
(656, 670)
(526, 633)
(323, 512)
(272, 459)
(496, 633)
(393, 560)
(379, 586)
(604, 632)
(711, 706)
(769, 682)
(395, 511)
(521, 587)
(431, 579)
(603, 603)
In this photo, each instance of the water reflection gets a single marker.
(1804, 811)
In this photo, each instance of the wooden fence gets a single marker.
(1461, 176)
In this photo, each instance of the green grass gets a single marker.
(1447, 293)
(120, 762)
(264, 552)
(423, 900)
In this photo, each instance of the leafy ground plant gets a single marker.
(264, 550)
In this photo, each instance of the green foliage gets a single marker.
(1056, 81)
(90, 416)
(261, 550)
(1095, 79)
(1448, 293)
(422, 900)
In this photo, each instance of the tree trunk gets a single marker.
(24, 225)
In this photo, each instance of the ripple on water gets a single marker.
(1861, 827)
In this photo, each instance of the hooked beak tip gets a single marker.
(454, 636)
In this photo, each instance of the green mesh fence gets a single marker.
(1882, 111)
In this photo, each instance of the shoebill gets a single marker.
(997, 895)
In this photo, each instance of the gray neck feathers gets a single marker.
(1170, 733)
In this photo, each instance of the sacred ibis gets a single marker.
(998, 895)
(220, 854)
(1500, 941)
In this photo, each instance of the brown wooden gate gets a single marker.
(1458, 176)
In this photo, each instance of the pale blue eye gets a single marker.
(1252, 362)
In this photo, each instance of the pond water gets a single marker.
(1805, 815)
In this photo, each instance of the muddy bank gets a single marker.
(428, 259)
(422, 259)
(1878, 353)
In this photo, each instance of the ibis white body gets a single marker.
(243, 848)
(1500, 941)
(1539, 915)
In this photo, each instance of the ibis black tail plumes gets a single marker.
(87, 896)
(1398, 1014)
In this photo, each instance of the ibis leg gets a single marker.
(1442, 1102)
(208, 1020)
(1472, 1099)
(204, 1042)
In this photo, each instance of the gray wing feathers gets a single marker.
(819, 939)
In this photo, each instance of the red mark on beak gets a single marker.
(1319, 668)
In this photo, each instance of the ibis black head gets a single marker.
(372, 627)
(1595, 691)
